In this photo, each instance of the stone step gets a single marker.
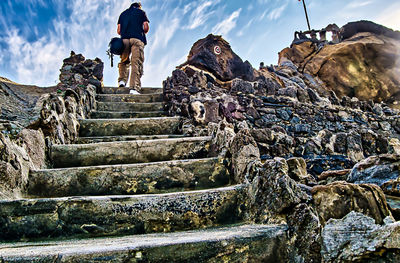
(86, 140)
(243, 243)
(129, 106)
(116, 90)
(142, 98)
(142, 151)
(120, 215)
(148, 178)
(138, 126)
(126, 115)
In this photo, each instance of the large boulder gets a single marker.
(351, 29)
(364, 65)
(244, 151)
(358, 238)
(273, 194)
(381, 170)
(21, 103)
(338, 199)
(224, 64)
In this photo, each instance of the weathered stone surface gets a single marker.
(338, 199)
(14, 168)
(118, 90)
(142, 126)
(86, 140)
(305, 233)
(272, 192)
(244, 151)
(35, 146)
(247, 243)
(34, 118)
(377, 170)
(298, 171)
(21, 103)
(225, 66)
(142, 151)
(358, 238)
(333, 176)
(129, 106)
(142, 98)
(126, 115)
(351, 29)
(394, 205)
(363, 66)
(150, 178)
(116, 215)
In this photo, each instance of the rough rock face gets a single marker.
(273, 191)
(42, 116)
(381, 170)
(244, 151)
(18, 155)
(225, 65)
(295, 142)
(340, 198)
(358, 238)
(288, 119)
(275, 198)
(364, 65)
(20, 105)
(353, 28)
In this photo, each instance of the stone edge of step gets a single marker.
(131, 119)
(115, 244)
(133, 137)
(185, 139)
(130, 95)
(129, 103)
(138, 165)
(115, 198)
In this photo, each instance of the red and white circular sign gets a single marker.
(217, 50)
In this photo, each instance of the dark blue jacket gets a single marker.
(131, 21)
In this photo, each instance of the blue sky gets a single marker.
(35, 35)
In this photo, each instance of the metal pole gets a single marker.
(308, 21)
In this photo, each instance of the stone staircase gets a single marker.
(134, 189)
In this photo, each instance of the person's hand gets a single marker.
(146, 27)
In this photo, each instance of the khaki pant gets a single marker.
(133, 47)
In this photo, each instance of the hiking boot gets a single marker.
(134, 92)
(122, 84)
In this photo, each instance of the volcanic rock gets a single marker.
(338, 199)
(224, 66)
(363, 65)
(273, 192)
(359, 238)
(381, 170)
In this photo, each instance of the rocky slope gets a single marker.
(315, 137)
(34, 118)
(365, 64)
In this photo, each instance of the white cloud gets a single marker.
(262, 15)
(85, 31)
(277, 13)
(228, 24)
(34, 62)
(164, 33)
(199, 15)
(359, 4)
(245, 28)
